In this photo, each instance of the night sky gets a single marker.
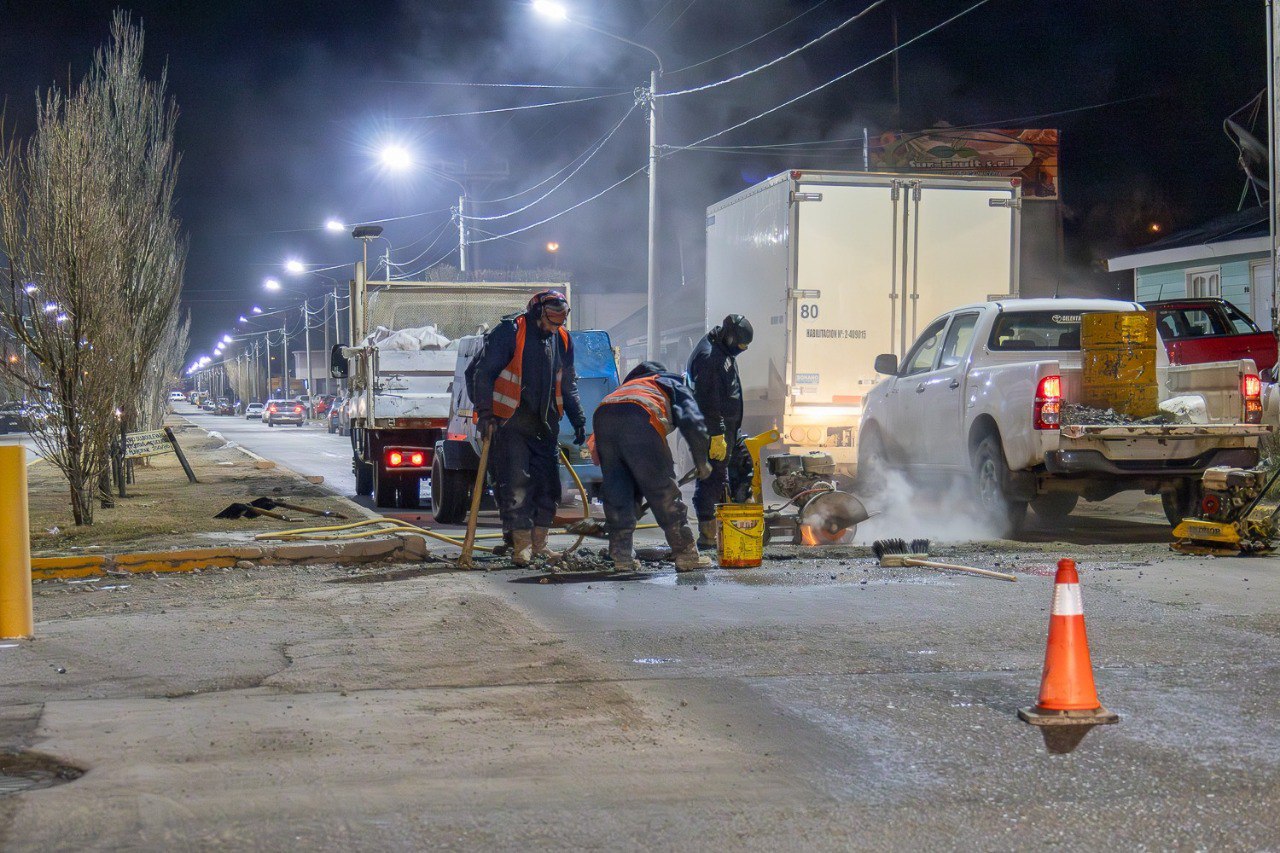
(284, 106)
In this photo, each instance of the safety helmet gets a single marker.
(553, 303)
(646, 368)
(736, 332)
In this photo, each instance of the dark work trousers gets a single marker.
(527, 477)
(711, 491)
(635, 463)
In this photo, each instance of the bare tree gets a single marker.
(95, 258)
(165, 372)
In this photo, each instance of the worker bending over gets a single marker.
(713, 372)
(631, 428)
(524, 384)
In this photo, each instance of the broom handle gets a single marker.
(911, 561)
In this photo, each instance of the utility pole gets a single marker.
(462, 232)
(651, 298)
(1273, 89)
(324, 321)
(284, 358)
(306, 342)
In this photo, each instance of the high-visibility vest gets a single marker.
(647, 393)
(506, 388)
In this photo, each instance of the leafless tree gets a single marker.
(94, 258)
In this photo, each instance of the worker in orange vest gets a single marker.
(524, 383)
(631, 426)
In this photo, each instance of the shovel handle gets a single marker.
(932, 564)
(469, 543)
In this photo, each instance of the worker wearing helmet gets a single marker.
(631, 426)
(713, 372)
(524, 383)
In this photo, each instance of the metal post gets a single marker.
(651, 331)
(866, 151)
(462, 232)
(284, 360)
(327, 344)
(1273, 88)
(16, 617)
(388, 257)
(306, 342)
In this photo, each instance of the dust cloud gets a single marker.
(944, 513)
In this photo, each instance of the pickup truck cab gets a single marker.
(1197, 331)
(981, 392)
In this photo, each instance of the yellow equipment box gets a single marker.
(1118, 355)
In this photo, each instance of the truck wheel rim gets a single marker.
(988, 484)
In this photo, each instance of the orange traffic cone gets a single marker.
(1067, 693)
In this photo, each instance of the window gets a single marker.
(1188, 323)
(1242, 324)
(1204, 283)
(1036, 330)
(959, 337)
(925, 350)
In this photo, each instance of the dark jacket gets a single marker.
(685, 415)
(543, 354)
(713, 372)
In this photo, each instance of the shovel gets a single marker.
(464, 561)
(272, 503)
(240, 510)
(595, 527)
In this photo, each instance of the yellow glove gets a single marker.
(719, 449)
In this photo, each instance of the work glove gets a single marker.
(704, 470)
(580, 434)
(719, 449)
(486, 423)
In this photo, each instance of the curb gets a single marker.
(398, 548)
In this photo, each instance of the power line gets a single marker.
(612, 186)
(812, 8)
(504, 85)
(598, 148)
(513, 109)
(837, 28)
(839, 77)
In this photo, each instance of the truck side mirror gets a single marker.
(338, 366)
(887, 363)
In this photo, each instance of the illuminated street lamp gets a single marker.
(334, 225)
(295, 266)
(397, 158)
(226, 339)
(272, 284)
(556, 11)
(255, 310)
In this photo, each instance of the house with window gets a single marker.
(1226, 257)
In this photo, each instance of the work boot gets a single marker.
(621, 552)
(522, 547)
(540, 549)
(707, 535)
(683, 550)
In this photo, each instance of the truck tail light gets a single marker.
(1251, 390)
(298, 409)
(406, 457)
(1048, 412)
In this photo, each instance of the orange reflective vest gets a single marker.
(506, 388)
(647, 393)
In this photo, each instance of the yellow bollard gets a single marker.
(15, 546)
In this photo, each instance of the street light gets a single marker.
(226, 339)
(334, 225)
(295, 266)
(272, 284)
(255, 310)
(397, 158)
(555, 11)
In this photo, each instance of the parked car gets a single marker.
(323, 405)
(982, 393)
(208, 405)
(14, 417)
(225, 407)
(333, 417)
(1198, 331)
(285, 412)
(344, 416)
(253, 411)
(177, 397)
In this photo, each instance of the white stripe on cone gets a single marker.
(1066, 600)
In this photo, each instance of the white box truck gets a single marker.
(834, 268)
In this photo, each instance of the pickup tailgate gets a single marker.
(412, 384)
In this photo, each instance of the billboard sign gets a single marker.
(1028, 154)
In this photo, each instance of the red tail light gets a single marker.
(297, 409)
(1048, 411)
(400, 457)
(395, 459)
(416, 459)
(1251, 390)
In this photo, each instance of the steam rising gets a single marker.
(947, 514)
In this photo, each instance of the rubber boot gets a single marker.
(540, 549)
(522, 547)
(624, 559)
(707, 535)
(683, 550)
(505, 548)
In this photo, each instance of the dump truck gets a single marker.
(834, 268)
(400, 367)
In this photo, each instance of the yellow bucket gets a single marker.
(741, 539)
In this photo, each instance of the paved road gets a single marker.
(22, 439)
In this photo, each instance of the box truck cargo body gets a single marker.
(834, 268)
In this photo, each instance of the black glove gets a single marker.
(704, 470)
(580, 434)
(486, 423)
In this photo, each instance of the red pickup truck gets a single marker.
(1196, 331)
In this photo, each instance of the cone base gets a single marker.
(1038, 716)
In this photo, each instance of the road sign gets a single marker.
(140, 444)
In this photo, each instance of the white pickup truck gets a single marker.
(981, 393)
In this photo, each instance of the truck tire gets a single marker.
(873, 460)
(385, 491)
(1183, 501)
(990, 474)
(1054, 507)
(450, 492)
(364, 476)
